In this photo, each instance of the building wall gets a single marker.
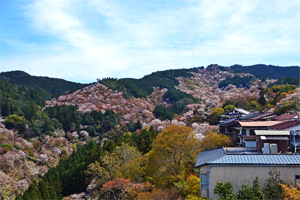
(282, 144)
(204, 193)
(250, 143)
(237, 175)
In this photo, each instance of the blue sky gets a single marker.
(82, 40)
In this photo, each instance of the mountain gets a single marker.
(40, 134)
(168, 78)
(160, 95)
(52, 86)
(270, 71)
(143, 87)
(189, 94)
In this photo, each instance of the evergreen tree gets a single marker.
(245, 193)
(224, 190)
(261, 98)
(258, 193)
(272, 189)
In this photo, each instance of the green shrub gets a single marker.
(17, 147)
(9, 146)
(30, 153)
(224, 190)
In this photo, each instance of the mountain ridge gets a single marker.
(52, 86)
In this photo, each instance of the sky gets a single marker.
(86, 40)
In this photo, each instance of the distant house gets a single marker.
(247, 128)
(231, 126)
(286, 125)
(250, 116)
(259, 116)
(228, 127)
(229, 121)
(295, 140)
(234, 113)
(221, 165)
(286, 116)
(266, 139)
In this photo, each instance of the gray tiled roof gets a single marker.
(208, 156)
(278, 159)
(219, 157)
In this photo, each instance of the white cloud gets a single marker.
(94, 39)
(19, 43)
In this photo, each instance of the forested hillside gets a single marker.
(141, 88)
(50, 87)
(130, 138)
(269, 71)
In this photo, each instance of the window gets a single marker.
(204, 179)
(243, 131)
(297, 179)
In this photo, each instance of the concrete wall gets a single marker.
(237, 175)
(250, 143)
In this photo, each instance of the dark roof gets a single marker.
(251, 115)
(262, 115)
(269, 117)
(219, 157)
(285, 125)
(236, 112)
(208, 156)
(286, 116)
(229, 122)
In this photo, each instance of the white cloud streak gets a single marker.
(96, 39)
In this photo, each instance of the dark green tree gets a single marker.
(47, 126)
(145, 140)
(261, 98)
(224, 190)
(91, 130)
(272, 189)
(15, 122)
(245, 193)
(258, 193)
(109, 145)
(31, 110)
(33, 192)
